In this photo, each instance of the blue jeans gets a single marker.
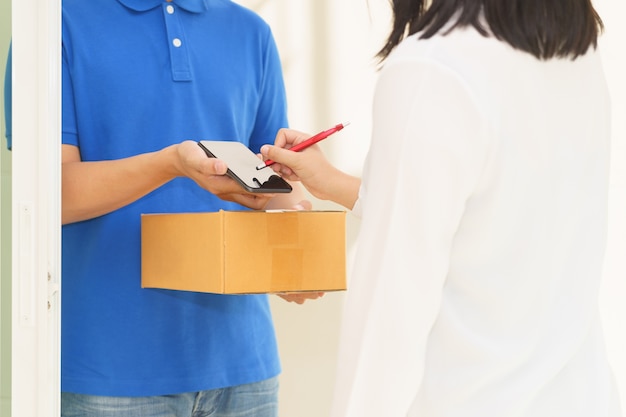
(259, 399)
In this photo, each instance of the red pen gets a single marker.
(310, 141)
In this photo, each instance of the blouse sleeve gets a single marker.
(429, 146)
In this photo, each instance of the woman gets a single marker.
(483, 205)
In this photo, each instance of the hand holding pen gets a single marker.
(323, 180)
(310, 141)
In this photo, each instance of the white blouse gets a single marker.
(484, 211)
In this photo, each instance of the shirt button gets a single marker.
(177, 42)
(170, 9)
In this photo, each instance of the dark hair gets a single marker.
(543, 28)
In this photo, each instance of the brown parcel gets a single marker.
(239, 252)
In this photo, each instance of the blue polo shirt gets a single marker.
(139, 75)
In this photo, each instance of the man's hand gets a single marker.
(208, 173)
(300, 297)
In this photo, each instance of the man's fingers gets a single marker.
(304, 205)
(216, 166)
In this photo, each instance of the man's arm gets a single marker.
(92, 189)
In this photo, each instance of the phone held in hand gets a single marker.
(242, 167)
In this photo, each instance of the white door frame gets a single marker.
(36, 207)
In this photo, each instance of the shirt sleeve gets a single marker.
(69, 131)
(429, 144)
(272, 113)
(8, 95)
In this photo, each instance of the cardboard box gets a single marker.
(239, 252)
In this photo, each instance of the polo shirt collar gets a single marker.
(194, 6)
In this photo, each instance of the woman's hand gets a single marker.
(311, 168)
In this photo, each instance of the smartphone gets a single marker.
(242, 167)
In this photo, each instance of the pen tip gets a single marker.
(344, 124)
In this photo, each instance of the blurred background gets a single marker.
(328, 51)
